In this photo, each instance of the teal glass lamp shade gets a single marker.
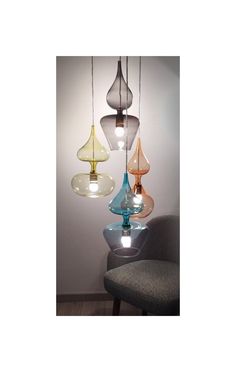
(126, 203)
(126, 242)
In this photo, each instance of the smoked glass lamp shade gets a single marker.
(126, 242)
(114, 128)
(93, 184)
(117, 94)
(119, 97)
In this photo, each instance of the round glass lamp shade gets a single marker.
(117, 94)
(148, 202)
(93, 185)
(114, 128)
(126, 242)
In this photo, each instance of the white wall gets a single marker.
(81, 249)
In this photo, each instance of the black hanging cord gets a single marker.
(126, 139)
(139, 89)
(92, 101)
(92, 91)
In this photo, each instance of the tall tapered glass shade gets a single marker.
(119, 97)
(138, 166)
(92, 184)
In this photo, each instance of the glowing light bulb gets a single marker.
(138, 199)
(126, 241)
(119, 131)
(93, 186)
(121, 144)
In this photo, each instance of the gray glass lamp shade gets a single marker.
(114, 128)
(126, 242)
(117, 94)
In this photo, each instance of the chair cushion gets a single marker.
(151, 285)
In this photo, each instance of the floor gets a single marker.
(94, 308)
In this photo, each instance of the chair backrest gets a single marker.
(163, 239)
(162, 243)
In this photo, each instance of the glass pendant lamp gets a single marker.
(138, 166)
(126, 238)
(114, 125)
(92, 184)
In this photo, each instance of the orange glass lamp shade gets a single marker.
(92, 184)
(138, 166)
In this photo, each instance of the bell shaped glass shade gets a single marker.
(93, 185)
(138, 164)
(126, 241)
(148, 202)
(114, 128)
(93, 151)
(117, 94)
(125, 203)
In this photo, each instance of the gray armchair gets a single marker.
(149, 281)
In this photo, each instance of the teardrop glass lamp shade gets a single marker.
(114, 128)
(126, 241)
(93, 151)
(125, 203)
(93, 184)
(117, 94)
(148, 202)
(138, 164)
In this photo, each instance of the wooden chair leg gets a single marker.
(144, 312)
(116, 306)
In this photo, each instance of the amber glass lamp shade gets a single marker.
(114, 126)
(92, 184)
(125, 238)
(148, 202)
(138, 166)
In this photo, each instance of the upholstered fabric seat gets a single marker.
(150, 280)
(152, 285)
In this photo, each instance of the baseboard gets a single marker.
(75, 297)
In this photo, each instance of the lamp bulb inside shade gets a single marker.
(93, 186)
(121, 145)
(119, 131)
(126, 241)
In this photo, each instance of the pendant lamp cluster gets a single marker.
(125, 238)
